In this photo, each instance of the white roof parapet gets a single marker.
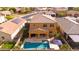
(72, 19)
(75, 38)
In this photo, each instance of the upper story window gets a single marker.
(51, 25)
(44, 25)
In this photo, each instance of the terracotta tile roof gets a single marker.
(10, 27)
(5, 12)
(39, 29)
(39, 18)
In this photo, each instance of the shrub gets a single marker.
(76, 8)
(65, 47)
(12, 9)
(8, 45)
(58, 35)
(10, 17)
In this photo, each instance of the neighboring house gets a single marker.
(2, 18)
(40, 9)
(47, 11)
(5, 13)
(18, 9)
(41, 26)
(59, 9)
(12, 30)
(73, 13)
(70, 27)
(51, 13)
(50, 8)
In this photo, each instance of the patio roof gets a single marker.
(41, 30)
(40, 18)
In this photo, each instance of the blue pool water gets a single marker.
(40, 45)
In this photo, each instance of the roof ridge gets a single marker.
(48, 17)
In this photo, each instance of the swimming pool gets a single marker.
(36, 45)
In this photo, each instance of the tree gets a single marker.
(4, 8)
(65, 47)
(70, 8)
(12, 9)
(76, 8)
(27, 10)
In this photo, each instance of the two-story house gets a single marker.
(42, 26)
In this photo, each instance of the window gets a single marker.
(42, 35)
(51, 25)
(33, 35)
(53, 15)
(3, 37)
(50, 32)
(44, 25)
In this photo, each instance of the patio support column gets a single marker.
(47, 36)
(29, 35)
(38, 35)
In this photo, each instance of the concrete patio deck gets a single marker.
(34, 39)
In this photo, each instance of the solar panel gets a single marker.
(17, 21)
(25, 17)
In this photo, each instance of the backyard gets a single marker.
(65, 45)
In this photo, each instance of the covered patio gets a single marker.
(38, 33)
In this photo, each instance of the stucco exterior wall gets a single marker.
(49, 29)
(5, 36)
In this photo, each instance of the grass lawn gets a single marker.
(65, 47)
(8, 45)
(10, 17)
